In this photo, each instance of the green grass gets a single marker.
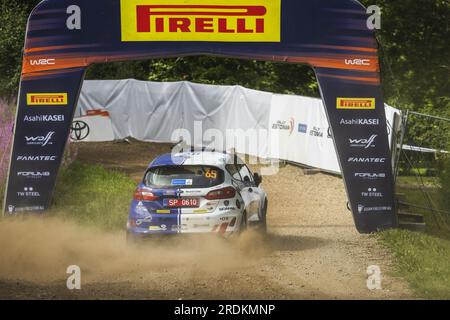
(416, 194)
(423, 260)
(92, 195)
(95, 196)
(413, 180)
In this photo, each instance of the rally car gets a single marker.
(197, 192)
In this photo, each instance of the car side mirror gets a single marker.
(258, 179)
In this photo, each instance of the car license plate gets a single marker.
(182, 203)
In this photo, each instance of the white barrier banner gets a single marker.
(299, 132)
(285, 127)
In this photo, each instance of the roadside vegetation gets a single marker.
(423, 258)
(93, 195)
(415, 64)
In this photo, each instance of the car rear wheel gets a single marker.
(261, 228)
(132, 240)
(244, 224)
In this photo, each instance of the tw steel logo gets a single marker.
(186, 20)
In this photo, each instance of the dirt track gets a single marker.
(312, 252)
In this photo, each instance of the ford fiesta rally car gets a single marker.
(197, 192)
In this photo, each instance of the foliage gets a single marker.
(421, 259)
(13, 18)
(6, 130)
(259, 75)
(92, 195)
(414, 60)
(444, 177)
(416, 64)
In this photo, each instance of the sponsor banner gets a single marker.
(40, 140)
(359, 122)
(356, 103)
(33, 174)
(28, 192)
(42, 62)
(345, 61)
(363, 143)
(11, 209)
(45, 118)
(95, 126)
(47, 99)
(370, 176)
(302, 128)
(36, 158)
(189, 20)
(309, 143)
(287, 125)
(366, 160)
(374, 209)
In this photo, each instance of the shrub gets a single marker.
(6, 131)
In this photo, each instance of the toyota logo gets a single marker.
(79, 130)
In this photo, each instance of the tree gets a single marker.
(414, 60)
(259, 75)
(13, 17)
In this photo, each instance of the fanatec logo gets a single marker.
(366, 160)
(36, 158)
(40, 140)
(370, 176)
(33, 175)
(363, 143)
(360, 122)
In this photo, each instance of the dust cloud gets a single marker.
(39, 250)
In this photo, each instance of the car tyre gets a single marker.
(131, 239)
(262, 226)
(244, 223)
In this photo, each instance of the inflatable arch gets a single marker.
(65, 36)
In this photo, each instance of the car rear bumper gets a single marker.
(225, 222)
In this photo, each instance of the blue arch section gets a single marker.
(65, 37)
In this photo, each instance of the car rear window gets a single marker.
(184, 176)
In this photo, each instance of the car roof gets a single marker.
(210, 158)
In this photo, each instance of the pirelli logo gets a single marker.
(356, 103)
(197, 20)
(47, 99)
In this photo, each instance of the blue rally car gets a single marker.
(197, 192)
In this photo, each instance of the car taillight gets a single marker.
(144, 195)
(225, 193)
(132, 223)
